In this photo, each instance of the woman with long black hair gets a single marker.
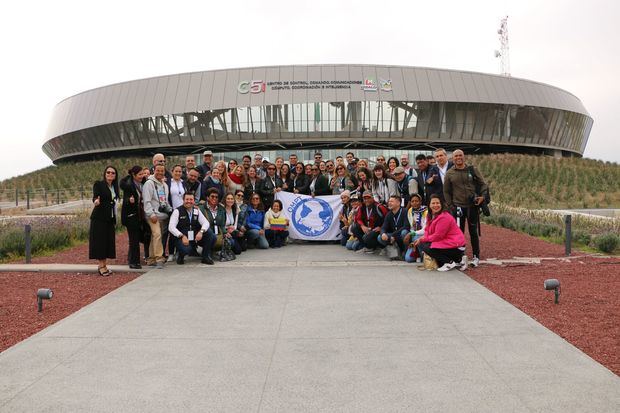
(442, 239)
(102, 243)
(132, 214)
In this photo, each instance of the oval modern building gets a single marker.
(319, 106)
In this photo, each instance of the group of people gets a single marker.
(219, 209)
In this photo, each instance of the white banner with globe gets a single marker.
(314, 219)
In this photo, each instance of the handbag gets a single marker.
(429, 263)
(226, 253)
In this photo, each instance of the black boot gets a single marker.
(207, 259)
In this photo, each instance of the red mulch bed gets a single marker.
(18, 310)
(588, 315)
(19, 317)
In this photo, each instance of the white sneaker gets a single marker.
(474, 262)
(171, 258)
(418, 259)
(463, 263)
(447, 266)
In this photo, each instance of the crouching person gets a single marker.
(442, 239)
(276, 225)
(369, 220)
(191, 229)
(395, 226)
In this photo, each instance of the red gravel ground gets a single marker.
(588, 315)
(19, 317)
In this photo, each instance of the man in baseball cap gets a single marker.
(205, 168)
(369, 219)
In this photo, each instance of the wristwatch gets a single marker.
(202, 231)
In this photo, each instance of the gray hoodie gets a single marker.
(151, 199)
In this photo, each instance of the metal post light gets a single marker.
(43, 294)
(553, 284)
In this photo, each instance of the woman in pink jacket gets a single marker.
(442, 240)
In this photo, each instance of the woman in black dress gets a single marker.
(132, 214)
(103, 220)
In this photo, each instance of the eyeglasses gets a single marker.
(214, 196)
(315, 169)
(239, 196)
(380, 160)
(110, 173)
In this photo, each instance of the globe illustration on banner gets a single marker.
(312, 217)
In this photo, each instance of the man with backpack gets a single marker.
(465, 191)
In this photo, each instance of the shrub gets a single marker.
(607, 242)
(48, 234)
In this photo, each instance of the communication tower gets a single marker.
(504, 52)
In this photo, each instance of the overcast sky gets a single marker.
(55, 49)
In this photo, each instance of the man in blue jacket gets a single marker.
(395, 225)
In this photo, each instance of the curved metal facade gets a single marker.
(321, 106)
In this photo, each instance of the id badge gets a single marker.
(215, 229)
(190, 235)
(402, 202)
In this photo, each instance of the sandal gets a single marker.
(103, 271)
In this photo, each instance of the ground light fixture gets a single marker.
(43, 294)
(553, 284)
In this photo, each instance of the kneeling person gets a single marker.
(191, 228)
(395, 225)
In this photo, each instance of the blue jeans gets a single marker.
(207, 242)
(255, 238)
(398, 239)
(408, 254)
(353, 245)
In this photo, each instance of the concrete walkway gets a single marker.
(303, 328)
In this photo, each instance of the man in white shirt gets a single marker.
(443, 164)
(191, 229)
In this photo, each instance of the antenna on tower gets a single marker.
(503, 53)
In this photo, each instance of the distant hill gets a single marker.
(516, 180)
